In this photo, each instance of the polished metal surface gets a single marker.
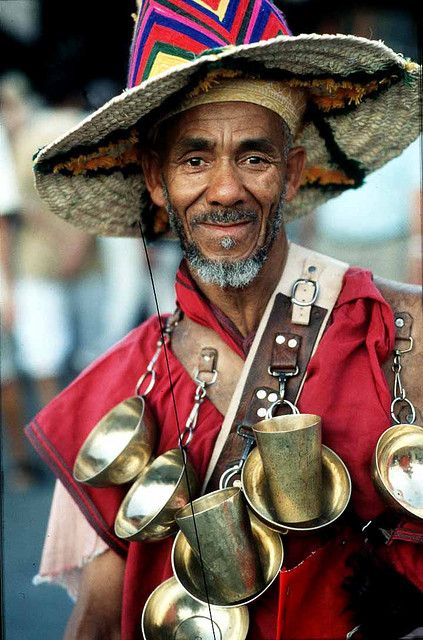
(171, 614)
(336, 492)
(291, 449)
(398, 468)
(220, 533)
(188, 571)
(119, 446)
(165, 486)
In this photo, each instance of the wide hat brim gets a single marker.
(359, 138)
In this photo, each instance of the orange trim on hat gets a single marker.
(322, 176)
(113, 155)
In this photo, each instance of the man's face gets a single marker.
(222, 175)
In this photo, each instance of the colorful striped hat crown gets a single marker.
(363, 108)
(171, 32)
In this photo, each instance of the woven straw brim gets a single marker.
(380, 127)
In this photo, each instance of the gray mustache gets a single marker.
(224, 217)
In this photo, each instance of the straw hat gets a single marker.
(363, 108)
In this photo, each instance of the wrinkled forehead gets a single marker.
(233, 122)
(229, 125)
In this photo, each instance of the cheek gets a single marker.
(267, 190)
(184, 192)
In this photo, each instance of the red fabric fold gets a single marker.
(192, 302)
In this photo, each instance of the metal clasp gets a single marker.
(200, 394)
(294, 290)
(400, 395)
(246, 433)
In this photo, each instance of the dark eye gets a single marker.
(195, 161)
(255, 160)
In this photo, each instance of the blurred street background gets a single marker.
(66, 297)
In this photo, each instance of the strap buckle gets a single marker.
(295, 286)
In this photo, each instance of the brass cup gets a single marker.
(171, 614)
(336, 492)
(148, 509)
(291, 449)
(220, 534)
(119, 446)
(397, 468)
(202, 585)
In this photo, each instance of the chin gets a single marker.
(226, 272)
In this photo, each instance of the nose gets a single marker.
(225, 188)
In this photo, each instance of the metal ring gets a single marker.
(278, 372)
(407, 401)
(150, 385)
(205, 382)
(401, 351)
(190, 433)
(228, 475)
(294, 289)
(269, 412)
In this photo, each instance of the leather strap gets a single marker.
(403, 325)
(188, 340)
(254, 403)
(255, 376)
(285, 352)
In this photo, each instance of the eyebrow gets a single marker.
(192, 144)
(263, 145)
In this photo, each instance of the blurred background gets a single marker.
(66, 296)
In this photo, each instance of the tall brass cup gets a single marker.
(221, 537)
(291, 450)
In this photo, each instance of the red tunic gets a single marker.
(345, 386)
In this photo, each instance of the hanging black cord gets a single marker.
(184, 455)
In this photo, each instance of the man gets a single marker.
(228, 146)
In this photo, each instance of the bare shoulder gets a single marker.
(407, 298)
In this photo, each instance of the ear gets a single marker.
(294, 171)
(153, 177)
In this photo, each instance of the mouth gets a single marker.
(231, 222)
(226, 227)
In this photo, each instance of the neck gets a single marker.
(246, 306)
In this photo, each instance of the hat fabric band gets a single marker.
(287, 102)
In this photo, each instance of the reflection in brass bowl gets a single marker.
(187, 568)
(147, 511)
(171, 614)
(336, 492)
(119, 446)
(398, 468)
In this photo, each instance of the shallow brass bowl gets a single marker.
(165, 486)
(188, 572)
(119, 446)
(398, 468)
(171, 614)
(336, 492)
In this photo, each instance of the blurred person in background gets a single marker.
(127, 290)
(58, 282)
(128, 296)
(23, 471)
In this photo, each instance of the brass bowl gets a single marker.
(171, 614)
(398, 468)
(336, 483)
(148, 509)
(188, 571)
(119, 446)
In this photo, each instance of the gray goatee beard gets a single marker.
(236, 274)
